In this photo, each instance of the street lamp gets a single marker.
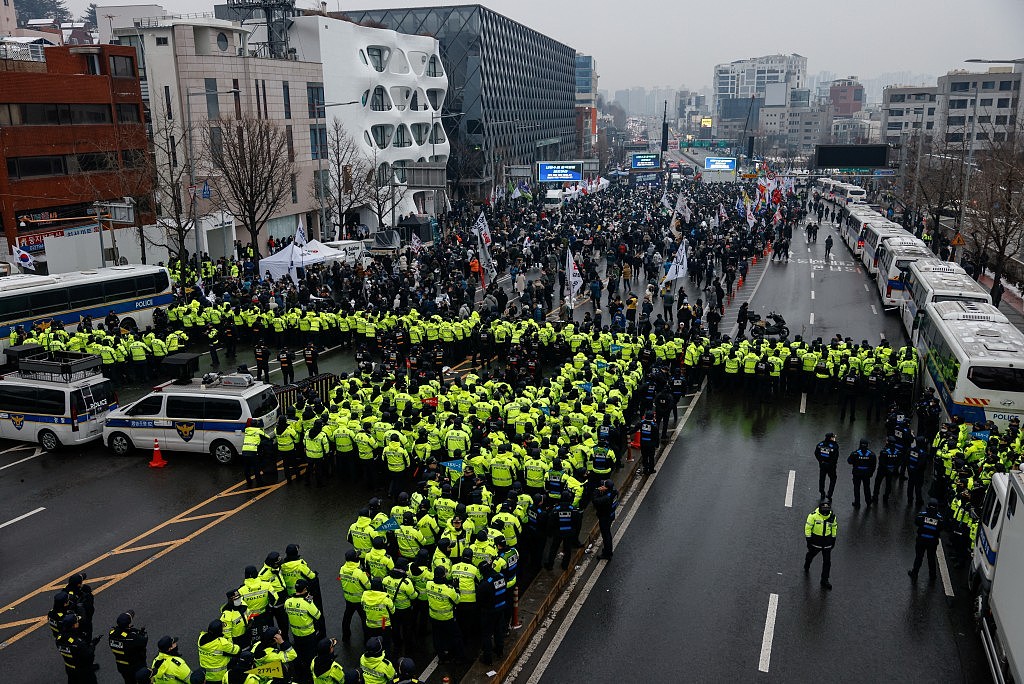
(192, 158)
(320, 154)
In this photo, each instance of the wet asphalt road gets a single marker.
(687, 596)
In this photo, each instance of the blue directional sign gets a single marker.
(559, 172)
(206, 193)
(453, 465)
(389, 525)
(719, 163)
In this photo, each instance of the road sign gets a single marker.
(885, 172)
(957, 241)
(719, 163)
(192, 191)
(206, 190)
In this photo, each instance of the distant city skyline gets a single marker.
(654, 44)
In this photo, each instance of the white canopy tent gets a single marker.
(292, 257)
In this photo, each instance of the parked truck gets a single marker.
(997, 565)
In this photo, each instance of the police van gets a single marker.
(55, 399)
(207, 415)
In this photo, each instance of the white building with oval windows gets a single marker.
(387, 89)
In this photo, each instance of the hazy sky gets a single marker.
(660, 42)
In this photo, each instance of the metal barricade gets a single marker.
(321, 384)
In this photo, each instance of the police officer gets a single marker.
(406, 672)
(215, 651)
(564, 526)
(232, 616)
(287, 361)
(606, 500)
(929, 524)
(311, 355)
(317, 446)
(888, 467)
(492, 598)
(262, 354)
(827, 456)
(303, 616)
(917, 461)
(820, 531)
(354, 581)
(252, 445)
(128, 645)
(169, 667)
(864, 463)
(649, 441)
(77, 650)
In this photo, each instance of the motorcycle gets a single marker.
(772, 325)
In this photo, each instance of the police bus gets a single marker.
(896, 256)
(874, 233)
(974, 358)
(131, 292)
(930, 281)
(858, 217)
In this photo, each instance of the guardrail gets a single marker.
(321, 384)
(1013, 271)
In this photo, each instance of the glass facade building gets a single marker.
(512, 90)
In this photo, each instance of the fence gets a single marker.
(321, 384)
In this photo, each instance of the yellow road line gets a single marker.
(129, 546)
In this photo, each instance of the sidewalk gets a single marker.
(1011, 305)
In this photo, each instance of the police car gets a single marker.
(55, 400)
(207, 415)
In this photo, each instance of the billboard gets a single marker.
(705, 122)
(851, 156)
(645, 180)
(776, 94)
(645, 160)
(559, 172)
(719, 163)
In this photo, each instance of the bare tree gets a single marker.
(940, 181)
(253, 173)
(383, 191)
(994, 219)
(348, 170)
(170, 185)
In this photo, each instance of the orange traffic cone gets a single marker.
(157, 461)
(755, 259)
(740, 282)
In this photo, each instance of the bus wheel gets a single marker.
(223, 452)
(48, 440)
(129, 324)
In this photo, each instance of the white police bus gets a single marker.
(896, 257)
(930, 281)
(974, 358)
(131, 292)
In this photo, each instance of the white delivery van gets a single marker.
(55, 400)
(203, 416)
(553, 200)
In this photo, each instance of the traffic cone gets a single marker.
(157, 461)
(740, 283)
(755, 260)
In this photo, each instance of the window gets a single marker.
(295, 189)
(17, 399)
(1003, 102)
(87, 162)
(167, 102)
(92, 65)
(981, 136)
(1005, 85)
(378, 57)
(290, 139)
(895, 112)
(958, 104)
(286, 91)
(997, 379)
(315, 100)
(931, 111)
(380, 101)
(985, 119)
(212, 102)
(217, 144)
(51, 402)
(223, 409)
(174, 152)
(29, 167)
(122, 67)
(956, 121)
(91, 114)
(985, 102)
(150, 406)
(1001, 120)
(930, 125)
(222, 41)
(434, 67)
(959, 87)
(185, 407)
(322, 182)
(262, 404)
(954, 137)
(988, 85)
(999, 136)
(49, 301)
(128, 113)
(116, 290)
(402, 137)
(898, 98)
(318, 141)
(161, 40)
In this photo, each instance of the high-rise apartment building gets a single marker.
(748, 78)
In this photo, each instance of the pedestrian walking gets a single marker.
(820, 531)
(864, 463)
(930, 524)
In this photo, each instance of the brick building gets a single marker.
(71, 134)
